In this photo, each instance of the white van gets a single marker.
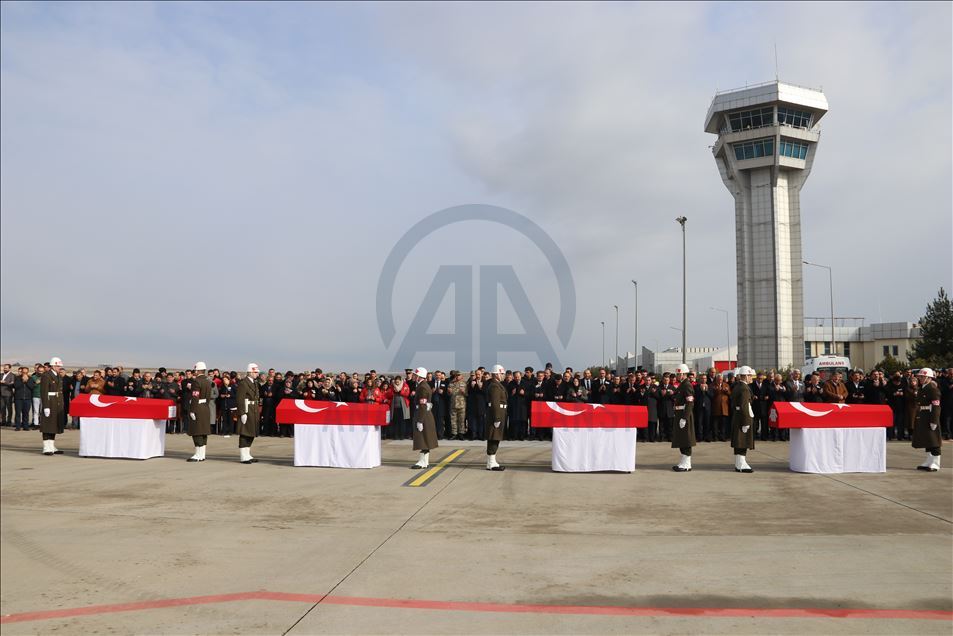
(826, 364)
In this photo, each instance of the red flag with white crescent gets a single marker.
(829, 415)
(579, 415)
(292, 411)
(117, 406)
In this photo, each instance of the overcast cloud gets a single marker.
(224, 182)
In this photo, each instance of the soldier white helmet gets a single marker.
(420, 372)
(56, 362)
(200, 366)
(682, 368)
(252, 368)
(744, 371)
(928, 372)
(498, 368)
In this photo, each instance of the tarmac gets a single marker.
(162, 546)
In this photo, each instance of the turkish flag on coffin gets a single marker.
(826, 415)
(578, 415)
(331, 413)
(116, 406)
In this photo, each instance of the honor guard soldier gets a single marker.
(200, 422)
(425, 429)
(496, 416)
(742, 419)
(51, 406)
(683, 431)
(248, 400)
(926, 430)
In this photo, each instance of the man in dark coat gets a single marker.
(425, 429)
(496, 416)
(683, 430)
(248, 400)
(51, 406)
(742, 419)
(926, 430)
(200, 416)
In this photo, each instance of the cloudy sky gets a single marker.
(224, 182)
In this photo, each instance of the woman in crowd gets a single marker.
(399, 402)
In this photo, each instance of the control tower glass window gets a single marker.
(793, 149)
(796, 118)
(748, 119)
(754, 149)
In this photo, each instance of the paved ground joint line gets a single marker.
(429, 475)
(869, 492)
(374, 551)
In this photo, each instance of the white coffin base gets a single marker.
(337, 446)
(586, 450)
(121, 438)
(838, 450)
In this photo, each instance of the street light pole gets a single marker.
(616, 307)
(603, 342)
(727, 333)
(830, 280)
(635, 346)
(681, 221)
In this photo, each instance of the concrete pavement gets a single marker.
(525, 551)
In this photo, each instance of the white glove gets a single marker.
(932, 426)
(429, 405)
(420, 426)
(496, 425)
(744, 429)
(681, 423)
(244, 418)
(750, 411)
(192, 415)
(46, 413)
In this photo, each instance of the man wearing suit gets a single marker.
(441, 410)
(759, 403)
(602, 390)
(6, 395)
(855, 388)
(51, 406)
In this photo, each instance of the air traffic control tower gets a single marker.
(767, 137)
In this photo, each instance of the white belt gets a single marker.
(53, 393)
(926, 408)
(679, 408)
(203, 401)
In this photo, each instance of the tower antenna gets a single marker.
(777, 77)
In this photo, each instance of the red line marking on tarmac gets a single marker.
(505, 608)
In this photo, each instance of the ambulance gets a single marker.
(825, 365)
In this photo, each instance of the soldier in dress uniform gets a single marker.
(425, 429)
(742, 419)
(51, 406)
(496, 416)
(200, 416)
(683, 430)
(249, 400)
(926, 430)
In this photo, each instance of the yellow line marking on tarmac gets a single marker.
(433, 472)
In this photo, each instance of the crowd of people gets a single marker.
(460, 400)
